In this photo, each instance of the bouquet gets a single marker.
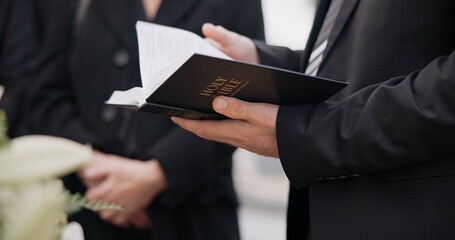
(33, 202)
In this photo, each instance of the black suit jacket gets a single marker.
(377, 161)
(19, 45)
(79, 71)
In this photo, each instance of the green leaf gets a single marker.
(77, 201)
(3, 129)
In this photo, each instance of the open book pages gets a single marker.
(182, 73)
(162, 50)
(133, 97)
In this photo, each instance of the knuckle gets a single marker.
(106, 215)
(237, 110)
(201, 132)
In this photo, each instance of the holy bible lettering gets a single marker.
(223, 87)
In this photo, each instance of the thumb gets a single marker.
(231, 108)
(97, 169)
(94, 172)
(247, 111)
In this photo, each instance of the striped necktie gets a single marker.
(321, 42)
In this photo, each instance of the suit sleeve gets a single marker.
(18, 53)
(402, 121)
(51, 107)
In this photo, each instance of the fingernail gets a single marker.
(220, 104)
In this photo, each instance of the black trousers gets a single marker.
(97, 229)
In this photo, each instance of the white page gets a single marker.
(131, 97)
(160, 46)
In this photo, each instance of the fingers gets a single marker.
(107, 215)
(116, 218)
(98, 169)
(94, 173)
(235, 109)
(219, 34)
(140, 220)
(100, 191)
(231, 108)
(218, 130)
(214, 43)
(251, 126)
(210, 130)
(216, 33)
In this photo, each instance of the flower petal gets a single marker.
(35, 157)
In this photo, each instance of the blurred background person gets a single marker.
(172, 184)
(19, 48)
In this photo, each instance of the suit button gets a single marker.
(121, 58)
(109, 114)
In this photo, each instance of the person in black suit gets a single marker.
(377, 160)
(164, 177)
(19, 47)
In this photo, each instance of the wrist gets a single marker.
(155, 175)
(254, 56)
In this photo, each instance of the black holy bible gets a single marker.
(186, 85)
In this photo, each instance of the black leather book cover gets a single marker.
(190, 90)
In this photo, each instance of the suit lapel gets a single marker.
(321, 11)
(116, 15)
(346, 10)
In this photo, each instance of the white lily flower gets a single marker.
(32, 199)
(31, 211)
(73, 231)
(34, 157)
